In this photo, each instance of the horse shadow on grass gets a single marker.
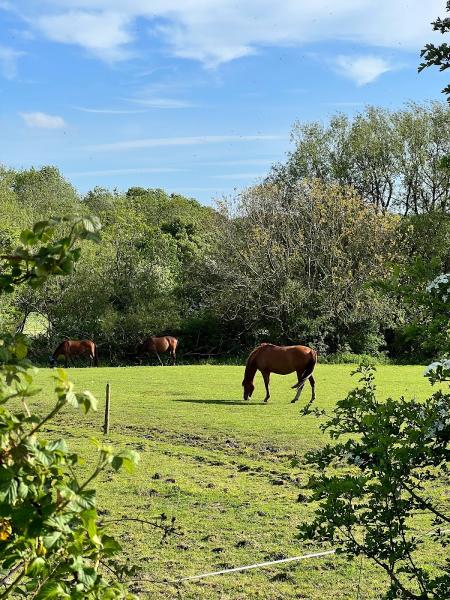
(218, 401)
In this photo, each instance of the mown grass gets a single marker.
(222, 467)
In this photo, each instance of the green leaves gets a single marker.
(371, 485)
(36, 566)
(46, 515)
(438, 56)
(124, 458)
(86, 401)
(50, 538)
(89, 518)
(9, 491)
(66, 394)
(127, 459)
(33, 266)
(52, 590)
(110, 545)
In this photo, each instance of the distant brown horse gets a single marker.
(155, 345)
(283, 360)
(71, 348)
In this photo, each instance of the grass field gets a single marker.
(222, 468)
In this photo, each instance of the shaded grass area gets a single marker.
(222, 467)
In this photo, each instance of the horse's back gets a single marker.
(156, 343)
(75, 348)
(147, 345)
(81, 346)
(296, 349)
(284, 359)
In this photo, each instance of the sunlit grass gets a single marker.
(222, 467)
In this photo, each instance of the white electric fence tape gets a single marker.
(254, 566)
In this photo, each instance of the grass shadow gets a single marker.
(216, 401)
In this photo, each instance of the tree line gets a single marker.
(333, 249)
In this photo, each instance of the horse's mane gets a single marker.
(55, 353)
(250, 369)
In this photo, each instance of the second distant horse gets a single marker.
(71, 348)
(156, 345)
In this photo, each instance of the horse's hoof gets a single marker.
(293, 401)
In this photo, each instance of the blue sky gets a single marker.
(195, 96)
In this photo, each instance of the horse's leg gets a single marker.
(299, 385)
(160, 361)
(312, 381)
(66, 360)
(297, 395)
(299, 380)
(174, 356)
(266, 377)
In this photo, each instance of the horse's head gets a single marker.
(140, 349)
(52, 361)
(248, 388)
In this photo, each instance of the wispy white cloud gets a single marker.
(240, 176)
(164, 93)
(180, 141)
(243, 161)
(109, 111)
(131, 171)
(161, 102)
(362, 69)
(193, 29)
(43, 121)
(6, 6)
(8, 61)
(344, 104)
(105, 33)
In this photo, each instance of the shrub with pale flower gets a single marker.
(438, 371)
(440, 287)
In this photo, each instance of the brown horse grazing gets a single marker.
(155, 345)
(283, 360)
(71, 348)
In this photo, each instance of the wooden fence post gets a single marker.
(106, 422)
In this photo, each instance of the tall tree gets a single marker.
(392, 158)
(295, 266)
(438, 56)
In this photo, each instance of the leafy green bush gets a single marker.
(349, 358)
(51, 544)
(392, 449)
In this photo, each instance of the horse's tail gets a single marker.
(308, 369)
(95, 355)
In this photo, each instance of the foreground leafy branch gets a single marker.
(392, 450)
(51, 540)
(438, 56)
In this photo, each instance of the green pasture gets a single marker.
(222, 467)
